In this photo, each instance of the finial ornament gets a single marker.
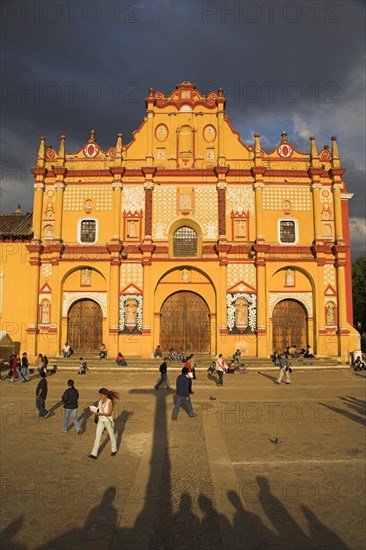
(92, 136)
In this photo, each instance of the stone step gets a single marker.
(202, 363)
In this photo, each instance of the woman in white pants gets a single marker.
(105, 420)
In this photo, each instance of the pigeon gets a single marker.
(212, 398)
(275, 442)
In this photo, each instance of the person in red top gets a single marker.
(120, 360)
(188, 365)
(16, 365)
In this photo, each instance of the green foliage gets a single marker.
(359, 291)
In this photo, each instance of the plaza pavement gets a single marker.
(262, 466)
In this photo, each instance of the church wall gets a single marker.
(16, 272)
(186, 166)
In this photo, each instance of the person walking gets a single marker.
(182, 397)
(163, 375)
(284, 369)
(70, 398)
(41, 395)
(25, 367)
(220, 368)
(15, 368)
(105, 421)
(188, 364)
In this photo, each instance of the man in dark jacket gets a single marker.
(41, 395)
(163, 375)
(70, 399)
(182, 397)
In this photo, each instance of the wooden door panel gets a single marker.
(185, 323)
(85, 326)
(289, 321)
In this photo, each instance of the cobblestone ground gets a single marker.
(262, 466)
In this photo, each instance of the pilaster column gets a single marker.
(221, 173)
(149, 158)
(336, 189)
(113, 294)
(117, 187)
(35, 253)
(60, 186)
(40, 174)
(341, 301)
(148, 186)
(257, 173)
(220, 102)
(260, 265)
(315, 188)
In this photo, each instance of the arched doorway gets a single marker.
(85, 326)
(185, 323)
(290, 326)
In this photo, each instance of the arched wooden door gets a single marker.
(85, 326)
(290, 326)
(185, 323)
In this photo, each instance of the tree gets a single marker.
(359, 291)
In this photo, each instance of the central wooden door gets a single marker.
(290, 325)
(85, 326)
(185, 323)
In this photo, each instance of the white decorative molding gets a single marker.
(241, 272)
(70, 297)
(305, 298)
(133, 198)
(131, 274)
(252, 309)
(122, 310)
(46, 270)
(240, 200)
(329, 275)
(299, 197)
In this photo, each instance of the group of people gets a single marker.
(292, 351)
(19, 367)
(70, 397)
(172, 355)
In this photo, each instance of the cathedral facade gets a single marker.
(185, 237)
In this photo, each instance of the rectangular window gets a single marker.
(287, 232)
(88, 231)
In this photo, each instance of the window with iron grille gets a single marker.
(185, 242)
(88, 231)
(287, 231)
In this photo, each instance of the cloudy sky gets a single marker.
(69, 66)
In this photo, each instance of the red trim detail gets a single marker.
(125, 293)
(348, 265)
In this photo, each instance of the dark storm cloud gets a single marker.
(68, 67)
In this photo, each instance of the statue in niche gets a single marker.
(132, 229)
(289, 278)
(241, 313)
(45, 313)
(86, 277)
(131, 312)
(240, 228)
(330, 317)
(185, 276)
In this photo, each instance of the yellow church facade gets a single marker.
(186, 238)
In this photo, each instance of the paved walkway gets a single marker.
(262, 466)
